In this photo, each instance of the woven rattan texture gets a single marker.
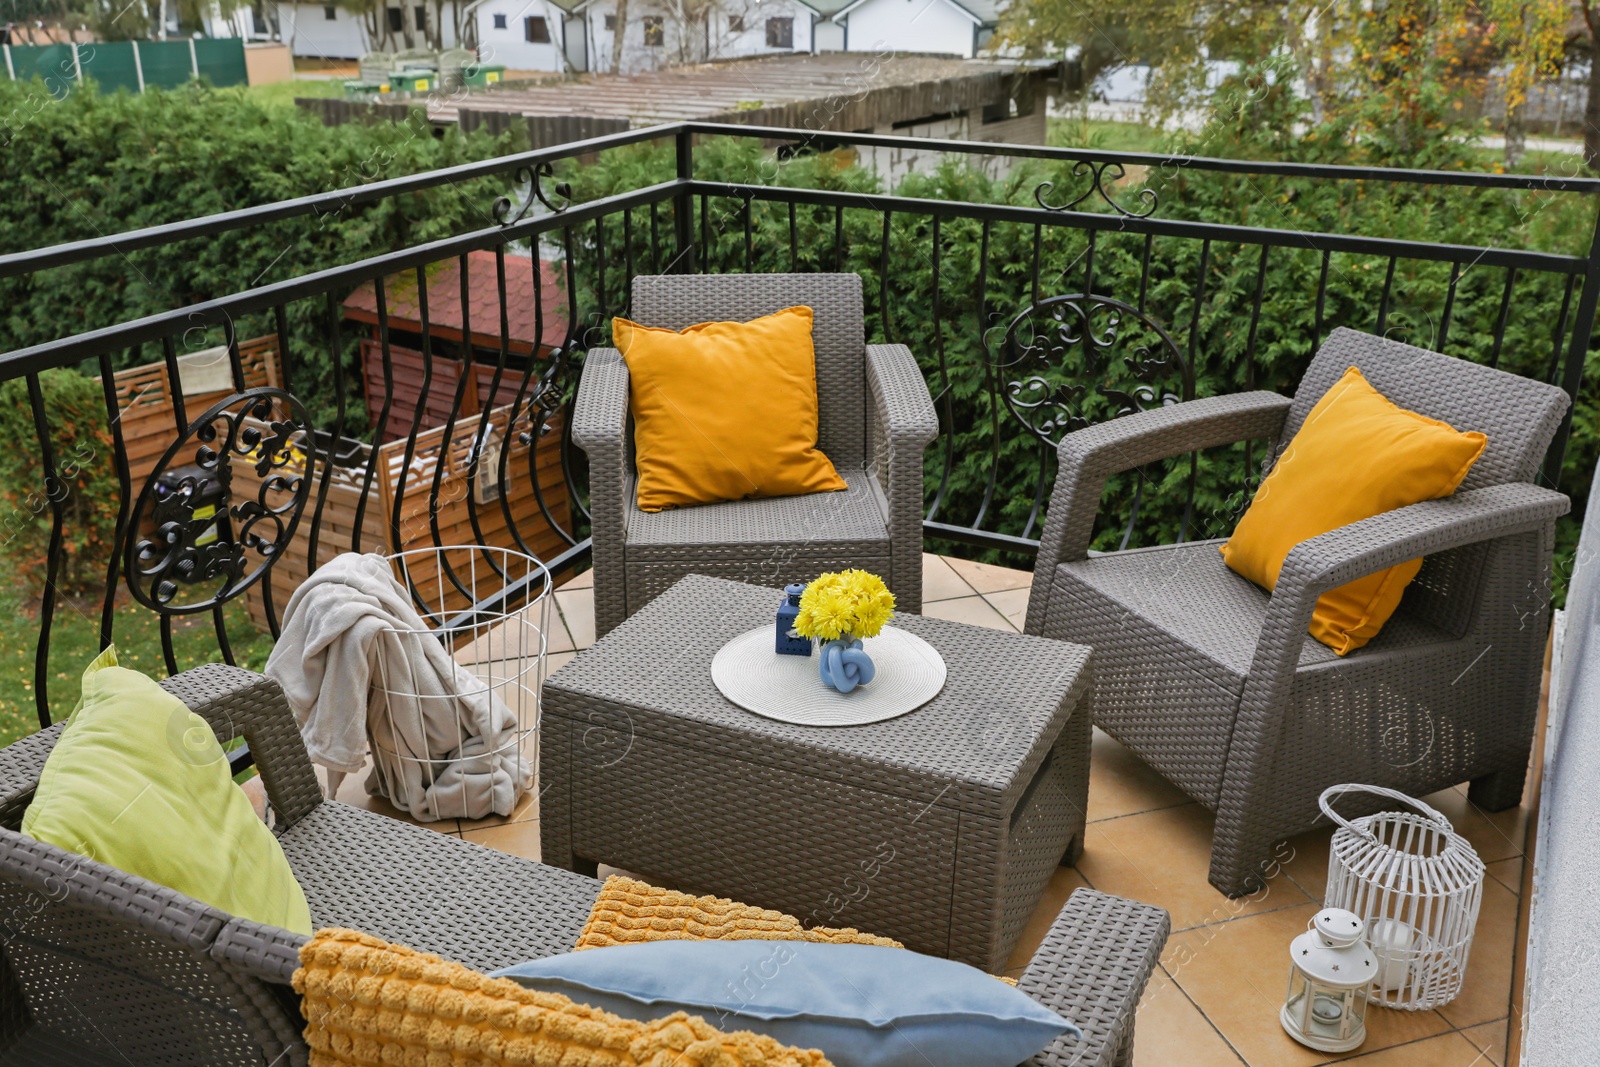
(876, 419)
(647, 766)
(115, 963)
(369, 1003)
(479, 907)
(1092, 969)
(1217, 684)
(628, 912)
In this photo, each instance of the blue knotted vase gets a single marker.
(844, 664)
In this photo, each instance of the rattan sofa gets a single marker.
(98, 966)
(1216, 684)
(876, 418)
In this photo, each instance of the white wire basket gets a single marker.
(453, 716)
(1417, 884)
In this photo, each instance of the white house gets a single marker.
(332, 31)
(951, 27)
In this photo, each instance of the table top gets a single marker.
(975, 746)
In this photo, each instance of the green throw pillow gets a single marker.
(138, 781)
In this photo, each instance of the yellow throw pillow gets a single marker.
(1357, 455)
(138, 781)
(724, 410)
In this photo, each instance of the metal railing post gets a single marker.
(1577, 352)
(683, 203)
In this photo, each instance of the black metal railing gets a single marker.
(1087, 294)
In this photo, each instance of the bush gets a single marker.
(85, 488)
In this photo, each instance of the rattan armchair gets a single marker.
(98, 966)
(1216, 684)
(876, 418)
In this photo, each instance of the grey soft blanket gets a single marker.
(444, 746)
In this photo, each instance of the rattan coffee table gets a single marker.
(939, 828)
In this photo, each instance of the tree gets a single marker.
(618, 27)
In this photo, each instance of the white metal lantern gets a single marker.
(1417, 885)
(1330, 970)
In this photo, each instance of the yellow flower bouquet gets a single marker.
(851, 603)
(839, 609)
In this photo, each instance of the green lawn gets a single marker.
(282, 94)
(75, 640)
(1106, 136)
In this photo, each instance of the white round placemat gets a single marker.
(910, 672)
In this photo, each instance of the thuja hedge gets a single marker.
(969, 336)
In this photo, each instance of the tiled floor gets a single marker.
(1215, 999)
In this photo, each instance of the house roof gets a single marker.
(483, 301)
(981, 12)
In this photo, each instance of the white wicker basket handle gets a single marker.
(1334, 791)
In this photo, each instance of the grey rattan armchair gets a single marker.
(1216, 683)
(876, 418)
(98, 966)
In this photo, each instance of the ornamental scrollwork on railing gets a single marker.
(1068, 362)
(546, 396)
(1097, 173)
(218, 529)
(507, 213)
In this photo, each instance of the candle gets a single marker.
(1393, 942)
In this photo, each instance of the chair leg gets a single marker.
(1498, 791)
(1240, 859)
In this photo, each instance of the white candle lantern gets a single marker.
(1417, 886)
(1330, 969)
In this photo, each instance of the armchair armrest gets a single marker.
(20, 764)
(241, 703)
(904, 423)
(600, 427)
(1089, 456)
(1092, 969)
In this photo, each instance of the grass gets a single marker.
(75, 640)
(1105, 136)
(282, 94)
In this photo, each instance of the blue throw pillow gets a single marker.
(861, 1005)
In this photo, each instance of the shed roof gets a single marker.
(483, 301)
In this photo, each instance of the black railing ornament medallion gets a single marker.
(1098, 174)
(530, 179)
(213, 538)
(1071, 361)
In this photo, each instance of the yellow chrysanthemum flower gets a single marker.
(853, 602)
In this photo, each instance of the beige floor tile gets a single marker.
(255, 791)
(558, 639)
(1061, 886)
(1490, 1038)
(1308, 862)
(940, 581)
(987, 578)
(1121, 783)
(581, 580)
(518, 838)
(1170, 1031)
(1161, 857)
(1486, 992)
(353, 791)
(1507, 872)
(1495, 836)
(527, 810)
(577, 609)
(1446, 1050)
(1012, 603)
(971, 609)
(554, 661)
(1237, 972)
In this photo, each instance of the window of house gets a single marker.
(611, 23)
(655, 31)
(536, 30)
(499, 22)
(780, 33)
(422, 16)
(397, 20)
(735, 23)
(329, 12)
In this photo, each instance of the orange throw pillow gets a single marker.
(1357, 455)
(724, 410)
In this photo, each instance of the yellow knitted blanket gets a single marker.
(628, 912)
(368, 1003)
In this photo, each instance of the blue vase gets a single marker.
(844, 664)
(789, 642)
